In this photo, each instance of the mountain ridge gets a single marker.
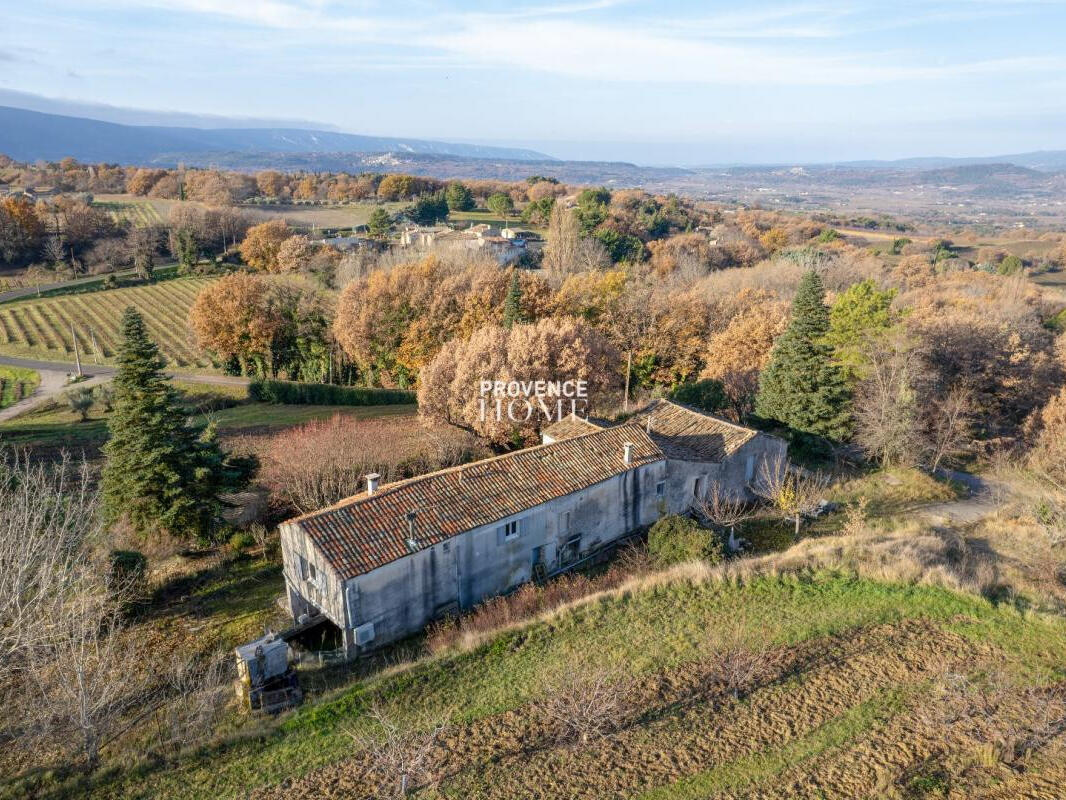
(31, 135)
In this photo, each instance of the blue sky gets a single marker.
(652, 82)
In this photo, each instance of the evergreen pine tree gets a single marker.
(802, 386)
(512, 305)
(160, 472)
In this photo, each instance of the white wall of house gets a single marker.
(689, 480)
(311, 584)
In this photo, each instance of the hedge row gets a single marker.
(325, 394)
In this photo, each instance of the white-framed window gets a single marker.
(510, 530)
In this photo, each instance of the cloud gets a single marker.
(807, 44)
(626, 54)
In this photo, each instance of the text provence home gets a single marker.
(574, 388)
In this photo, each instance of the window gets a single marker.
(446, 547)
(697, 487)
(660, 489)
(303, 567)
(312, 573)
(749, 468)
(564, 522)
(510, 530)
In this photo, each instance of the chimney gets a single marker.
(412, 541)
(627, 453)
(372, 483)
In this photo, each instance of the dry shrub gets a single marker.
(855, 517)
(1005, 722)
(532, 600)
(198, 692)
(737, 665)
(585, 704)
(315, 465)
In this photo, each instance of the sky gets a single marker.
(667, 82)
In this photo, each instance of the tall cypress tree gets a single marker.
(802, 386)
(512, 304)
(161, 473)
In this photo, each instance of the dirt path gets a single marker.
(985, 498)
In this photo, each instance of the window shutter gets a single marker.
(501, 532)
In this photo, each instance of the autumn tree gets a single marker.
(234, 319)
(295, 254)
(397, 187)
(738, 353)
(21, 230)
(801, 386)
(262, 243)
(271, 183)
(142, 181)
(552, 349)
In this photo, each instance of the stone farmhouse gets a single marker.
(382, 565)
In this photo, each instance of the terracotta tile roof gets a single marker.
(569, 427)
(365, 532)
(687, 434)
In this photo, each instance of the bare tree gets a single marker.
(585, 704)
(887, 413)
(89, 673)
(794, 491)
(67, 666)
(48, 514)
(724, 510)
(563, 240)
(402, 757)
(55, 250)
(949, 427)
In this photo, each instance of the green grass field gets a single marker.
(10, 378)
(53, 424)
(41, 328)
(862, 656)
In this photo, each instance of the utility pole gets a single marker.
(77, 356)
(629, 369)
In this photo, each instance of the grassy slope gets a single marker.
(655, 629)
(53, 424)
(10, 377)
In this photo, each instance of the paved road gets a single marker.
(54, 376)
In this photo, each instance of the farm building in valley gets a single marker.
(381, 565)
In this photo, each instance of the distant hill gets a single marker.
(1042, 160)
(30, 135)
